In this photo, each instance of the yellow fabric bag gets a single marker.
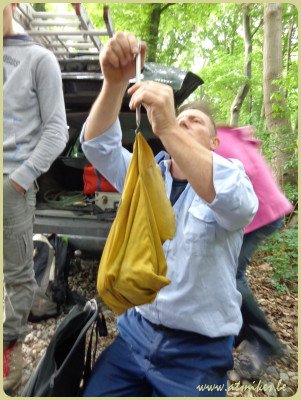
(133, 267)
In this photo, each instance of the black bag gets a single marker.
(52, 257)
(65, 367)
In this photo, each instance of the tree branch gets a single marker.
(166, 6)
(256, 29)
(243, 91)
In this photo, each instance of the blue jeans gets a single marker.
(147, 360)
(255, 329)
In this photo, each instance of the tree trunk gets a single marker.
(156, 9)
(243, 91)
(289, 46)
(154, 23)
(275, 108)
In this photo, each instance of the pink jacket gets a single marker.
(238, 143)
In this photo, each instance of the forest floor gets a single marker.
(279, 378)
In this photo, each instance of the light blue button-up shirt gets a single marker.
(202, 257)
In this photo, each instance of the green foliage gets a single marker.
(281, 252)
(288, 84)
(207, 39)
(39, 6)
(265, 137)
(291, 192)
(221, 85)
(130, 17)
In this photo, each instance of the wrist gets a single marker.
(18, 187)
(164, 131)
(113, 87)
(171, 137)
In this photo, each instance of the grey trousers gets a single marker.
(19, 280)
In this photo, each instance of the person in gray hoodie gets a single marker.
(34, 134)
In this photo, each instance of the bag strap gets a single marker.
(99, 328)
(91, 306)
(90, 359)
(98, 183)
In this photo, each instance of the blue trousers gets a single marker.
(255, 329)
(147, 360)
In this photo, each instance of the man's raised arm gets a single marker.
(118, 65)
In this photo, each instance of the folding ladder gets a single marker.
(66, 34)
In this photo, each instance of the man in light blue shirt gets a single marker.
(181, 344)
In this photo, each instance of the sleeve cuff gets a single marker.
(24, 176)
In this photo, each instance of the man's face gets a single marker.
(198, 125)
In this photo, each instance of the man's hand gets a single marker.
(117, 60)
(118, 66)
(18, 187)
(158, 101)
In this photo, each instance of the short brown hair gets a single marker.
(204, 108)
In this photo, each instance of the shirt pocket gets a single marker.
(200, 230)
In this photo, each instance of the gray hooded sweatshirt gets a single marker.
(34, 120)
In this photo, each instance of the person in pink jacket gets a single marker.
(256, 341)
